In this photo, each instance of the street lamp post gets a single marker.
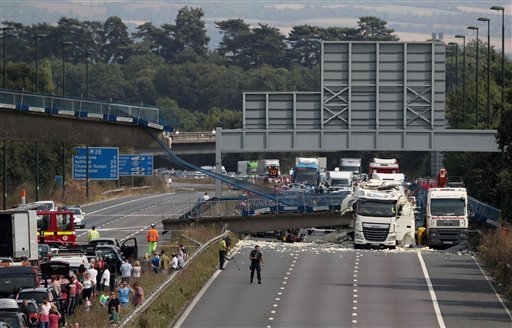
(474, 28)
(86, 72)
(4, 68)
(484, 19)
(463, 74)
(37, 37)
(502, 9)
(456, 45)
(64, 44)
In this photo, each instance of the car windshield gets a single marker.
(10, 283)
(350, 168)
(33, 295)
(448, 207)
(75, 211)
(374, 208)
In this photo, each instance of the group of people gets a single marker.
(160, 262)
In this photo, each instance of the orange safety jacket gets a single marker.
(153, 235)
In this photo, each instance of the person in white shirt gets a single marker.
(174, 262)
(204, 198)
(105, 280)
(93, 274)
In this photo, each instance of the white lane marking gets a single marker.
(354, 314)
(354, 290)
(437, 310)
(285, 278)
(270, 318)
(355, 285)
(282, 287)
(355, 295)
(277, 299)
(354, 308)
(273, 312)
(354, 321)
(279, 293)
(275, 305)
(354, 301)
(494, 290)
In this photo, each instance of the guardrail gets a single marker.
(83, 108)
(151, 298)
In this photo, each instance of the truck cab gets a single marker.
(340, 181)
(447, 216)
(375, 217)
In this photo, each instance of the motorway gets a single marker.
(315, 285)
(129, 217)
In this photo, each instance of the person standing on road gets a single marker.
(223, 248)
(92, 234)
(152, 239)
(256, 263)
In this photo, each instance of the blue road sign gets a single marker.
(136, 165)
(103, 163)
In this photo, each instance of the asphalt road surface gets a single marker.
(312, 285)
(131, 217)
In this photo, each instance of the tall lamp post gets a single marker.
(4, 85)
(456, 46)
(4, 68)
(485, 19)
(64, 44)
(458, 36)
(475, 28)
(37, 37)
(502, 9)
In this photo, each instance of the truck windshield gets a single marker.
(350, 168)
(448, 207)
(374, 208)
(306, 176)
(340, 182)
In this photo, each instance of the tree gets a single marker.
(305, 44)
(116, 42)
(374, 28)
(235, 32)
(190, 32)
(267, 47)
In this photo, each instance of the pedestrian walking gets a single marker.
(152, 239)
(126, 270)
(256, 263)
(92, 234)
(222, 253)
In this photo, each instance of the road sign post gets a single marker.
(103, 163)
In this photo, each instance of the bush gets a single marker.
(495, 252)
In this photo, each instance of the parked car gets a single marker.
(33, 309)
(14, 278)
(74, 259)
(78, 215)
(14, 320)
(38, 294)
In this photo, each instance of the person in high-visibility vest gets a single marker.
(223, 249)
(152, 239)
(92, 234)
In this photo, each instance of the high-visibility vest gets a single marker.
(153, 235)
(222, 245)
(93, 234)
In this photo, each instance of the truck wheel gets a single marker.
(357, 246)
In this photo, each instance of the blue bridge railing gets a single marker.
(83, 108)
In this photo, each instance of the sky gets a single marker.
(412, 20)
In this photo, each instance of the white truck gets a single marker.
(383, 216)
(269, 168)
(18, 236)
(340, 181)
(447, 216)
(242, 167)
(351, 164)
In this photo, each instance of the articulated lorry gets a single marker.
(269, 168)
(447, 216)
(383, 215)
(380, 165)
